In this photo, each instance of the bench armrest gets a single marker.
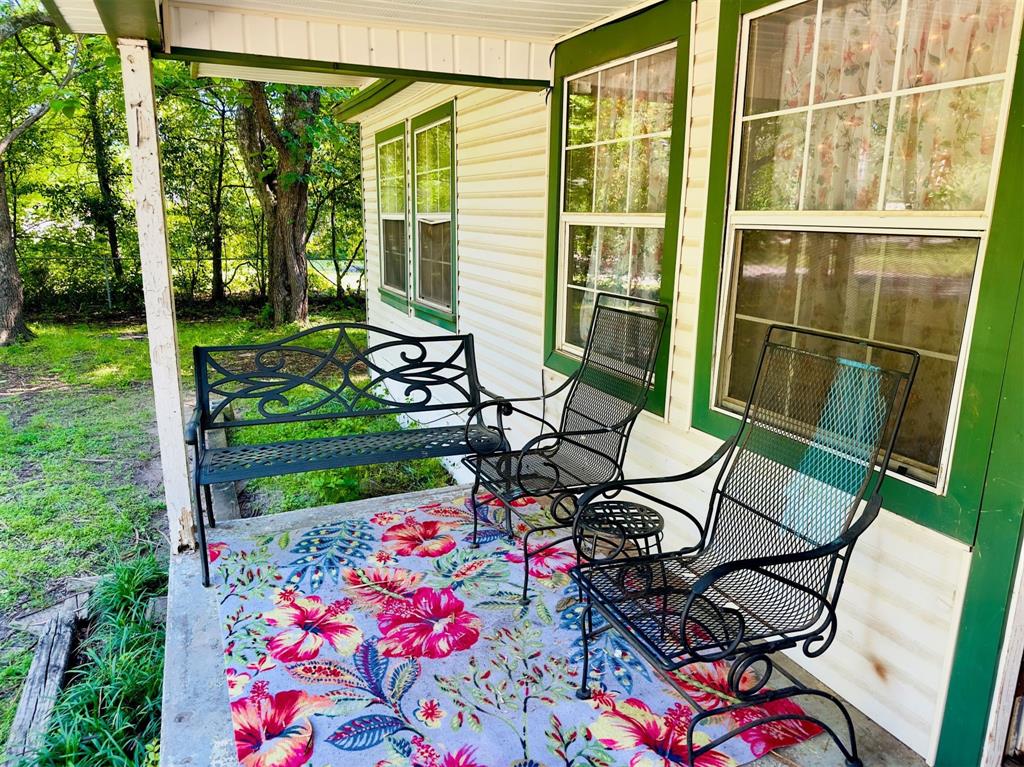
(194, 426)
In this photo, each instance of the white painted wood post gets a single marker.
(143, 145)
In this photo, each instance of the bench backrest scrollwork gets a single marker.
(335, 371)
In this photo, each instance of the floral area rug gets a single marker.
(386, 641)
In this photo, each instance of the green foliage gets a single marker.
(14, 663)
(109, 714)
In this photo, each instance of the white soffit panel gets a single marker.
(290, 77)
(537, 20)
(81, 16)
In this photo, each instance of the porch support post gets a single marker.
(143, 145)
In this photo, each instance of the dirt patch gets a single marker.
(17, 382)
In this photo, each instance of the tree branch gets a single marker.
(40, 110)
(12, 25)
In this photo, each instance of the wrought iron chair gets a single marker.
(786, 510)
(588, 446)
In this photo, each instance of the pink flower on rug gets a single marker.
(374, 588)
(274, 730)
(237, 681)
(384, 518)
(461, 758)
(432, 625)
(214, 551)
(631, 724)
(308, 623)
(778, 734)
(261, 664)
(429, 712)
(544, 564)
(420, 539)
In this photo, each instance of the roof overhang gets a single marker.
(376, 45)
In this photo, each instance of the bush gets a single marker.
(109, 714)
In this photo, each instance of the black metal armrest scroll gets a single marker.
(193, 426)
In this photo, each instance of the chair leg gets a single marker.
(201, 531)
(208, 495)
(586, 620)
(525, 598)
(476, 513)
(849, 754)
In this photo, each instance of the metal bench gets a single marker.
(324, 374)
(770, 558)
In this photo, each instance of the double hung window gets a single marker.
(865, 146)
(416, 194)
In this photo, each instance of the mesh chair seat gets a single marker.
(541, 471)
(649, 596)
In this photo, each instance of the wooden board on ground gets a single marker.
(39, 693)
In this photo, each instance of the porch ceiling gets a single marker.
(480, 42)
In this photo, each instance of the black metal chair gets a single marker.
(605, 396)
(786, 510)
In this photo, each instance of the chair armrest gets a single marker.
(844, 540)
(629, 484)
(193, 426)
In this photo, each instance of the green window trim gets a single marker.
(390, 295)
(667, 22)
(954, 513)
(422, 310)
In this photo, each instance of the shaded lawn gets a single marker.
(79, 470)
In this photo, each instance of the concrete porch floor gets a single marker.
(196, 728)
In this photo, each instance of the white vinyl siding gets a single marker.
(901, 604)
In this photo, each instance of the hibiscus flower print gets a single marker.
(237, 681)
(461, 758)
(214, 551)
(419, 539)
(374, 588)
(385, 518)
(433, 624)
(429, 711)
(274, 730)
(631, 724)
(382, 557)
(545, 563)
(307, 624)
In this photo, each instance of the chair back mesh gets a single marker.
(821, 417)
(615, 376)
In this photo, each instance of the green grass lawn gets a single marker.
(79, 469)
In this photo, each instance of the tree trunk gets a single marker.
(106, 211)
(339, 293)
(12, 300)
(216, 215)
(282, 189)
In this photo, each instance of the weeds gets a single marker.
(109, 713)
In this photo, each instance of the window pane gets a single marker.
(582, 109)
(856, 48)
(771, 155)
(655, 89)
(582, 241)
(845, 161)
(779, 60)
(648, 175)
(394, 254)
(391, 169)
(613, 259)
(579, 308)
(611, 180)
(579, 180)
(645, 269)
(434, 268)
(909, 290)
(615, 102)
(951, 40)
(942, 148)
